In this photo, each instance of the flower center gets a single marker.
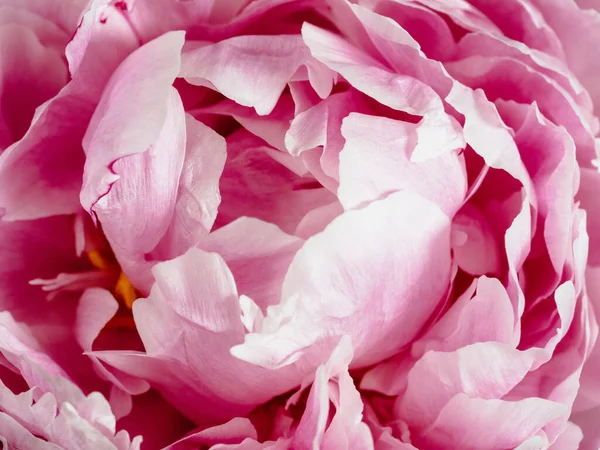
(123, 290)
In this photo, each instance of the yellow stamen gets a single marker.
(125, 290)
(98, 260)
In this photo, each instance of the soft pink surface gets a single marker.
(365, 224)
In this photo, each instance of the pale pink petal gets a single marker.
(484, 126)
(570, 438)
(316, 220)
(253, 70)
(320, 126)
(463, 14)
(553, 67)
(521, 21)
(258, 255)
(19, 437)
(588, 422)
(187, 329)
(548, 153)
(65, 17)
(489, 424)
(401, 51)
(401, 92)
(478, 253)
(55, 408)
(423, 24)
(142, 83)
(388, 377)
(376, 160)
(486, 370)
(486, 317)
(327, 292)
(198, 194)
(368, 75)
(346, 426)
(589, 394)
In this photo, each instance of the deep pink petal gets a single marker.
(41, 174)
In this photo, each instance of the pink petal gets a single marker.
(346, 425)
(18, 436)
(256, 184)
(520, 21)
(185, 326)
(483, 126)
(198, 194)
(578, 32)
(570, 438)
(268, 63)
(96, 308)
(31, 75)
(509, 79)
(258, 255)
(376, 160)
(270, 128)
(588, 422)
(41, 174)
(316, 220)
(233, 432)
(587, 196)
(478, 253)
(142, 83)
(320, 126)
(473, 423)
(400, 92)
(486, 317)
(486, 370)
(329, 288)
(553, 67)
(548, 153)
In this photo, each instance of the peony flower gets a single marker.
(324, 224)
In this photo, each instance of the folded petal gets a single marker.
(198, 194)
(376, 160)
(253, 70)
(486, 317)
(486, 370)
(233, 432)
(346, 429)
(333, 288)
(187, 329)
(141, 84)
